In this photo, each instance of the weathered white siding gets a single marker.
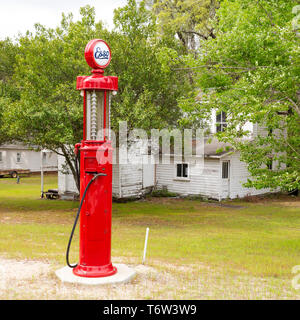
(201, 181)
(116, 190)
(208, 181)
(66, 182)
(259, 130)
(238, 175)
(127, 179)
(131, 180)
(148, 171)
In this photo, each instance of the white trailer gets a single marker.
(18, 159)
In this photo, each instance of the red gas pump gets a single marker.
(95, 167)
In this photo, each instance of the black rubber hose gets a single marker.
(77, 216)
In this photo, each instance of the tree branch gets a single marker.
(267, 13)
(71, 166)
(294, 105)
(293, 148)
(196, 33)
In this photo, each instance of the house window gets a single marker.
(182, 170)
(1, 157)
(221, 122)
(225, 169)
(18, 156)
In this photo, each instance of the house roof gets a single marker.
(14, 147)
(216, 148)
(212, 148)
(17, 146)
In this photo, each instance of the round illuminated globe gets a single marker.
(97, 54)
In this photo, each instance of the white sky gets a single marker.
(19, 16)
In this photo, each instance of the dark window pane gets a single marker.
(223, 116)
(219, 128)
(225, 171)
(179, 167)
(185, 170)
(182, 170)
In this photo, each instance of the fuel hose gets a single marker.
(96, 175)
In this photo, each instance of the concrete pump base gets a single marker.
(124, 274)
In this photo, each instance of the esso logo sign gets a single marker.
(101, 54)
(97, 54)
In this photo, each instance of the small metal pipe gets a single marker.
(145, 246)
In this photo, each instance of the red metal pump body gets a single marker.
(95, 216)
(95, 157)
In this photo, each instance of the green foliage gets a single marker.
(7, 59)
(189, 20)
(251, 71)
(148, 92)
(247, 65)
(8, 91)
(48, 112)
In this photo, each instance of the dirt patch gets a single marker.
(23, 279)
(290, 203)
(163, 200)
(225, 205)
(272, 197)
(22, 270)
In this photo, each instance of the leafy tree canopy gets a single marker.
(8, 91)
(251, 72)
(48, 113)
(189, 20)
(148, 92)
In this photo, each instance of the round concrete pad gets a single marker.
(124, 274)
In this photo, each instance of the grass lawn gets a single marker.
(235, 249)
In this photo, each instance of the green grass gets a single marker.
(25, 196)
(259, 239)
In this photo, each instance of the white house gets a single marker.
(16, 157)
(128, 181)
(217, 175)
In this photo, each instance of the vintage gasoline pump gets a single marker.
(95, 167)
